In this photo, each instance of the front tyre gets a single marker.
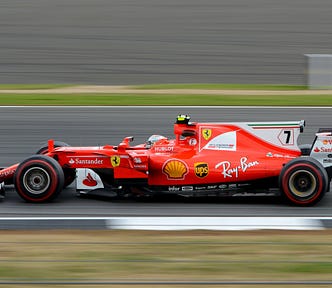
(303, 181)
(70, 174)
(39, 179)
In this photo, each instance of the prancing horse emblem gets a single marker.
(206, 134)
(115, 160)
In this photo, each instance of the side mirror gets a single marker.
(125, 143)
(129, 139)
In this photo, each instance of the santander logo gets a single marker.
(323, 145)
(316, 149)
(322, 149)
(89, 181)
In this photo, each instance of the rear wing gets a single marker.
(282, 134)
(322, 147)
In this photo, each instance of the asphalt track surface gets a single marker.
(158, 41)
(24, 129)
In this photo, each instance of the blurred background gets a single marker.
(158, 41)
(126, 42)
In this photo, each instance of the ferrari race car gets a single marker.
(203, 159)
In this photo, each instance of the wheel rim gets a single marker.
(302, 183)
(36, 180)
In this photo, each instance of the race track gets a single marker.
(24, 129)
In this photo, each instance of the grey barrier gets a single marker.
(319, 71)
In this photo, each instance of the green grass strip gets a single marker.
(166, 255)
(96, 99)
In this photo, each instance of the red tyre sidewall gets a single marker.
(319, 179)
(70, 174)
(53, 179)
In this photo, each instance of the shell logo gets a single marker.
(327, 142)
(175, 169)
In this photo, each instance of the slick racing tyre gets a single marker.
(303, 181)
(38, 179)
(70, 174)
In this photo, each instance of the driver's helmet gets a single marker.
(153, 139)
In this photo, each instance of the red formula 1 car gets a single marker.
(219, 159)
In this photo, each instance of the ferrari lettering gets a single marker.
(228, 171)
(269, 154)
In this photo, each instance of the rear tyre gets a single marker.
(39, 179)
(303, 181)
(70, 174)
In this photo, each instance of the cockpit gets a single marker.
(154, 139)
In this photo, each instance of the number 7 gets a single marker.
(288, 133)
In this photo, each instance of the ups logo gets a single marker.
(201, 169)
